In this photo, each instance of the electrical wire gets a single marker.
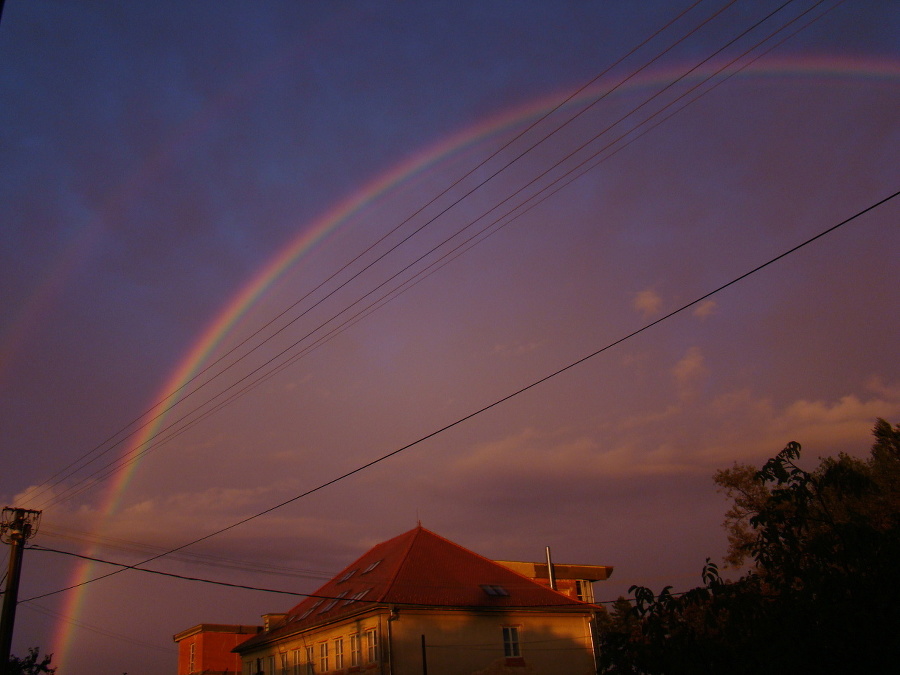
(507, 219)
(172, 575)
(111, 467)
(117, 464)
(125, 545)
(99, 450)
(96, 629)
(500, 401)
(318, 596)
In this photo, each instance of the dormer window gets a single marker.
(495, 591)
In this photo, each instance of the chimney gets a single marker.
(272, 620)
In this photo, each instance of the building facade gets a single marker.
(419, 603)
(207, 648)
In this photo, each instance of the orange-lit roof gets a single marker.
(419, 568)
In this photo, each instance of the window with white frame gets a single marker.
(331, 603)
(338, 653)
(371, 645)
(323, 656)
(585, 590)
(347, 575)
(355, 650)
(356, 596)
(296, 661)
(371, 566)
(310, 661)
(511, 641)
(271, 669)
(284, 663)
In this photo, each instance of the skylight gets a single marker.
(356, 596)
(371, 566)
(347, 575)
(310, 610)
(331, 603)
(495, 591)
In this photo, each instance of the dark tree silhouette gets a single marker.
(31, 664)
(821, 594)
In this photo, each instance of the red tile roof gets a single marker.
(420, 568)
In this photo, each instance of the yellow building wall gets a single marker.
(457, 642)
(286, 649)
(463, 643)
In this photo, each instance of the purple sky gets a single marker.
(157, 158)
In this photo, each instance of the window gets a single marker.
(323, 656)
(585, 590)
(338, 653)
(511, 641)
(495, 590)
(371, 567)
(310, 663)
(284, 663)
(355, 651)
(347, 575)
(248, 667)
(271, 669)
(356, 596)
(331, 603)
(371, 646)
(192, 664)
(296, 661)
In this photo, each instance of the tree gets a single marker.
(821, 593)
(31, 665)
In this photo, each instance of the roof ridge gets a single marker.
(390, 583)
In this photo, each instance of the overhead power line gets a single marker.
(205, 559)
(98, 630)
(183, 577)
(492, 228)
(278, 591)
(142, 420)
(245, 383)
(497, 402)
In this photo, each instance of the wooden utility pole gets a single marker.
(17, 527)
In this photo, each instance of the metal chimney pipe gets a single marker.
(550, 572)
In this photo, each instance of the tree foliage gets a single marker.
(31, 664)
(821, 592)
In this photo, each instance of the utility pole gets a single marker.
(17, 527)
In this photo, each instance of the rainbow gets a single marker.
(307, 239)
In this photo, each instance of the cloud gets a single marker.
(705, 309)
(752, 428)
(559, 456)
(647, 302)
(688, 436)
(689, 371)
(507, 350)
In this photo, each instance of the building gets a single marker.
(207, 648)
(576, 581)
(419, 603)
